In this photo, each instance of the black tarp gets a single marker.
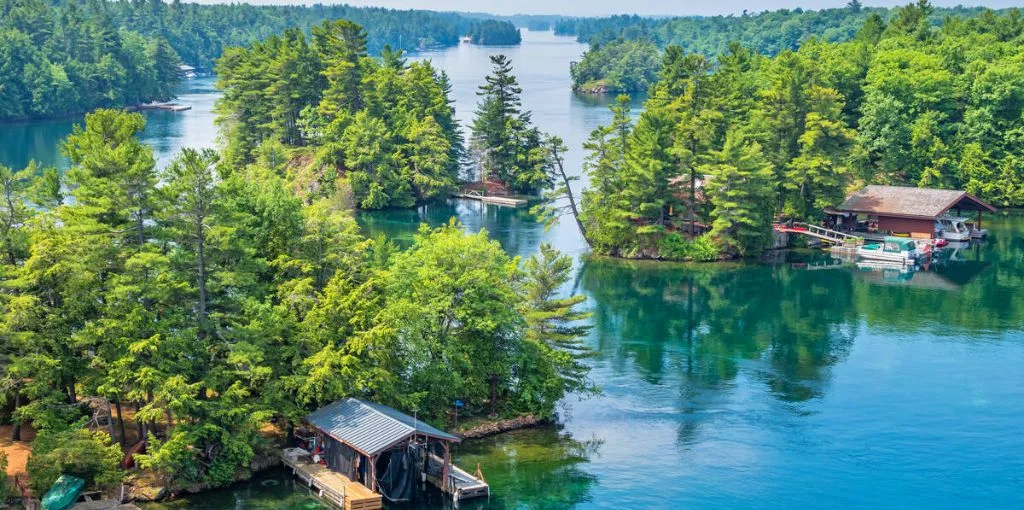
(340, 457)
(398, 471)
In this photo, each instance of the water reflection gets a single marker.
(785, 326)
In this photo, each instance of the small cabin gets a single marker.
(900, 210)
(382, 451)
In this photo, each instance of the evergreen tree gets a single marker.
(505, 144)
(817, 177)
(739, 187)
(555, 323)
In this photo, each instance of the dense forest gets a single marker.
(56, 60)
(729, 144)
(494, 33)
(619, 57)
(203, 302)
(373, 132)
(70, 56)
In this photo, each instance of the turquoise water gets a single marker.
(789, 383)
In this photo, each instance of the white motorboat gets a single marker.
(954, 229)
(892, 249)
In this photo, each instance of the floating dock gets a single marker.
(171, 107)
(491, 199)
(332, 487)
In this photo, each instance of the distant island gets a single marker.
(494, 33)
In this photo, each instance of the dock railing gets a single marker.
(825, 234)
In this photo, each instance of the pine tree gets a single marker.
(817, 177)
(740, 189)
(555, 322)
(505, 144)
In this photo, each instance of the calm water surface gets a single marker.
(786, 384)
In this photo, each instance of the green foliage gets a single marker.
(384, 125)
(736, 142)
(554, 331)
(5, 488)
(505, 145)
(76, 452)
(620, 46)
(617, 66)
(211, 299)
(66, 56)
(674, 246)
(63, 58)
(494, 33)
(739, 188)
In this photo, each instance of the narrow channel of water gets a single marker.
(785, 384)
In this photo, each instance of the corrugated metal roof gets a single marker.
(370, 427)
(910, 202)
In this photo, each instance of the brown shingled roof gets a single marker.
(907, 202)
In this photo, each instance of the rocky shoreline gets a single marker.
(491, 428)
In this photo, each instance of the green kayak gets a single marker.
(64, 493)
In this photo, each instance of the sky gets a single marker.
(606, 7)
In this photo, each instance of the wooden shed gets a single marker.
(386, 451)
(905, 210)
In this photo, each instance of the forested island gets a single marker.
(620, 56)
(494, 33)
(209, 300)
(209, 305)
(66, 57)
(233, 290)
(736, 141)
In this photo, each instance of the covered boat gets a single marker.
(954, 229)
(892, 249)
(64, 493)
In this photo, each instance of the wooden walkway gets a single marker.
(491, 199)
(822, 233)
(332, 487)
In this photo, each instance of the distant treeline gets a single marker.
(532, 22)
(621, 46)
(62, 57)
(494, 33)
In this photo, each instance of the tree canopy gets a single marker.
(68, 56)
(213, 298)
(734, 142)
(342, 122)
(619, 58)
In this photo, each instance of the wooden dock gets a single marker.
(171, 107)
(491, 199)
(461, 485)
(332, 487)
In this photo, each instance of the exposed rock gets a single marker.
(148, 493)
(497, 427)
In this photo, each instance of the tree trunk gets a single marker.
(170, 422)
(693, 202)
(201, 266)
(494, 395)
(72, 394)
(120, 420)
(572, 202)
(138, 423)
(16, 429)
(110, 421)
